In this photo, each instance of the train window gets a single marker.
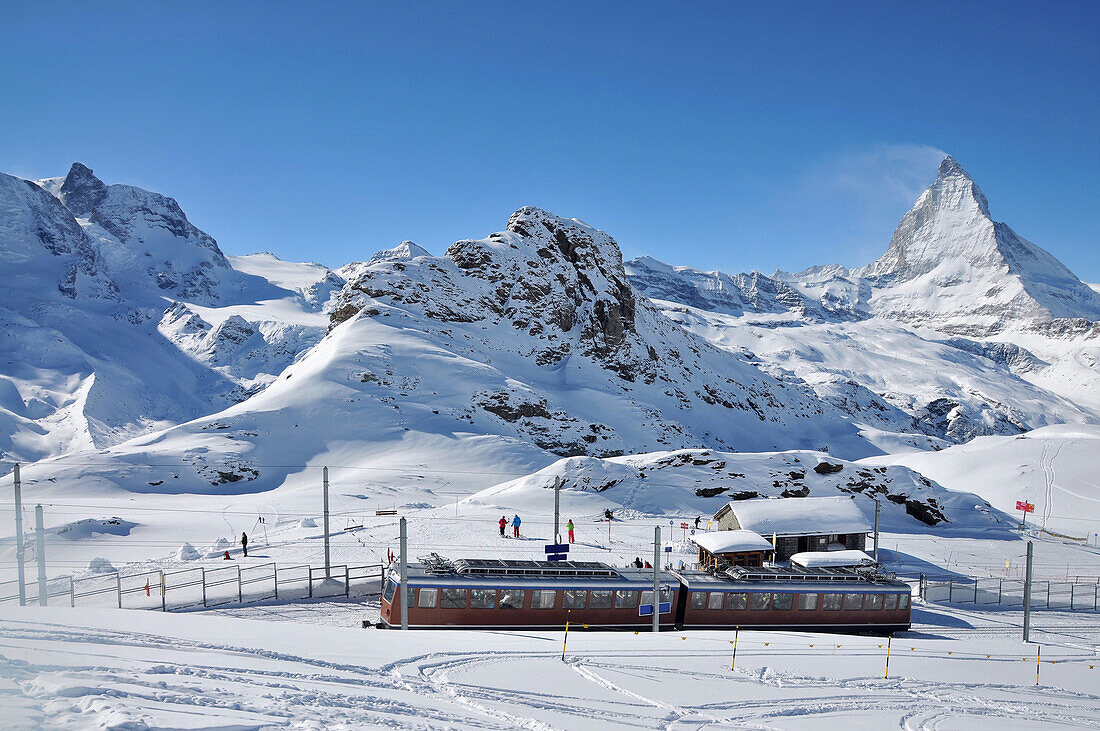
(903, 601)
(453, 599)
(391, 589)
(543, 599)
(627, 599)
(853, 601)
(666, 594)
(599, 599)
(698, 600)
(759, 600)
(873, 601)
(890, 602)
(738, 601)
(807, 601)
(715, 600)
(573, 598)
(782, 602)
(831, 602)
(511, 598)
(427, 598)
(483, 598)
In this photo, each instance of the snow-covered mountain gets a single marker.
(124, 317)
(132, 336)
(896, 344)
(952, 267)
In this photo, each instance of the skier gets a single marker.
(569, 527)
(607, 514)
(697, 517)
(226, 557)
(637, 562)
(647, 565)
(503, 522)
(515, 525)
(244, 544)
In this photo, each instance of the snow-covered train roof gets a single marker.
(731, 541)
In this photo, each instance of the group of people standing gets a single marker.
(503, 523)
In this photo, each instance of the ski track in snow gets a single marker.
(92, 676)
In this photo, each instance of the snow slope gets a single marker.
(1054, 468)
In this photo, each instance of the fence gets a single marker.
(205, 586)
(1072, 595)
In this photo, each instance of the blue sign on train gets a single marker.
(557, 548)
(557, 557)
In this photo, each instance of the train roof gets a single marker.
(789, 579)
(435, 570)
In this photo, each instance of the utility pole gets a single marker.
(19, 540)
(557, 511)
(1027, 595)
(877, 506)
(40, 550)
(657, 579)
(328, 569)
(404, 576)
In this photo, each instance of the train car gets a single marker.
(815, 600)
(511, 594)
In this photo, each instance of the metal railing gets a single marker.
(205, 586)
(1071, 595)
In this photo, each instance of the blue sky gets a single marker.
(727, 135)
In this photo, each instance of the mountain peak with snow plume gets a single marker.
(952, 267)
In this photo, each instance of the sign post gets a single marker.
(1025, 508)
(556, 551)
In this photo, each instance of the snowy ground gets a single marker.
(130, 669)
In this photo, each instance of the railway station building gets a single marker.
(799, 524)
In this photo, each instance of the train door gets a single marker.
(681, 605)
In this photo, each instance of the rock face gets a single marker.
(181, 260)
(552, 294)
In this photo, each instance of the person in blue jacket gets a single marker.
(515, 526)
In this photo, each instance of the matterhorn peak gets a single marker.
(970, 273)
(82, 191)
(950, 168)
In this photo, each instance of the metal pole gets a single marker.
(163, 593)
(40, 550)
(1027, 596)
(240, 589)
(557, 512)
(118, 585)
(203, 586)
(657, 579)
(877, 506)
(404, 576)
(327, 566)
(19, 540)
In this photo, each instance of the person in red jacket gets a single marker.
(503, 524)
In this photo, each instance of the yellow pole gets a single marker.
(566, 638)
(888, 641)
(733, 664)
(1038, 654)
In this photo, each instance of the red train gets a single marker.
(494, 593)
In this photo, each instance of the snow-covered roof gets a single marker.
(731, 541)
(818, 559)
(802, 516)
